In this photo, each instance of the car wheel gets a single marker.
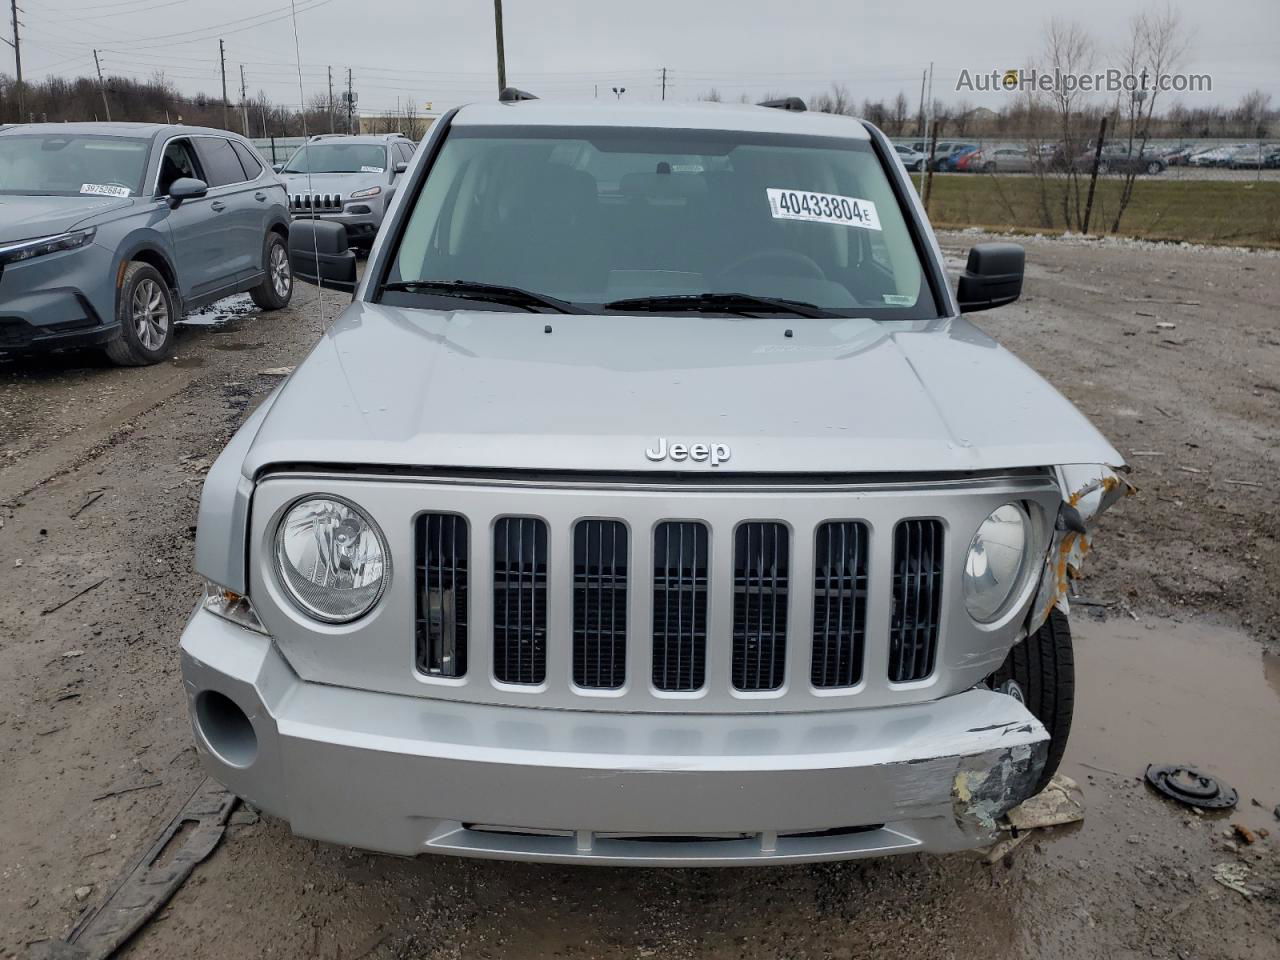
(1104, 168)
(1040, 671)
(1153, 168)
(276, 289)
(989, 167)
(146, 312)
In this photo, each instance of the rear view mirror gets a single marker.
(320, 253)
(992, 277)
(186, 188)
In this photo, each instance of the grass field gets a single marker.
(1196, 211)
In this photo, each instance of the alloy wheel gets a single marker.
(150, 314)
(281, 276)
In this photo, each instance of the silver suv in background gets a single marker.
(347, 179)
(110, 232)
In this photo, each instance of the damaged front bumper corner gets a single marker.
(1087, 491)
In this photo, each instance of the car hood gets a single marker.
(22, 218)
(523, 391)
(341, 183)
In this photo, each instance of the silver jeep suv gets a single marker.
(347, 179)
(652, 503)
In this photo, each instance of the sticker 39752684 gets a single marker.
(822, 208)
(105, 189)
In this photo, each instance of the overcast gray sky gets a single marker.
(443, 52)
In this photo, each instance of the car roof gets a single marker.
(373, 138)
(743, 118)
(128, 130)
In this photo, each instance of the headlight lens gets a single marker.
(997, 556)
(39, 246)
(332, 559)
(365, 194)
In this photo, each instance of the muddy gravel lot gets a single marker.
(1174, 353)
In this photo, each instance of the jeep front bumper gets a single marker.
(409, 775)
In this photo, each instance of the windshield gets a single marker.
(338, 158)
(66, 165)
(594, 215)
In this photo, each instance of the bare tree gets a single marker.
(1069, 49)
(836, 100)
(899, 113)
(711, 96)
(1155, 47)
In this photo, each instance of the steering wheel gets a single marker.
(790, 262)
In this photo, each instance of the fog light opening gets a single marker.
(226, 729)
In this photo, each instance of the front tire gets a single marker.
(276, 289)
(1044, 671)
(146, 312)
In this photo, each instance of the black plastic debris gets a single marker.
(1192, 787)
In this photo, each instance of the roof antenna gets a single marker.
(306, 153)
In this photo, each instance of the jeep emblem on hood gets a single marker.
(713, 453)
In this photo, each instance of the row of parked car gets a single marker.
(954, 156)
(111, 232)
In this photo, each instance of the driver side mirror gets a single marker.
(401, 168)
(320, 253)
(277, 167)
(992, 277)
(186, 188)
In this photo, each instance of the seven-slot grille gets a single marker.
(441, 620)
(760, 569)
(917, 599)
(520, 600)
(680, 576)
(682, 587)
(315, 203)
(839, 603)
(600, 604)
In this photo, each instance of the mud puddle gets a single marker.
(1161, 691)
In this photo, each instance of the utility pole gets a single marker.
(664, 83)
(102, 86)
(16, 43)
(244, 103)
(351, 103)
(331, 130)
(222, 57)
(502, 56)
(920, 127)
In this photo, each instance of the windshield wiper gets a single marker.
(719, 302)
(493, 292)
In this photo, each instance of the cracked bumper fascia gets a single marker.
(1089, 489)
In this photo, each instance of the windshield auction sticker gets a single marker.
(105, 189)
(373, 169)
(822, 208)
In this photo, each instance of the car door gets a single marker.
(236, 219)
(254, 171)
(195, 251)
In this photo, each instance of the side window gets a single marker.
(248, 159)
(221, 165)
(405, 151)
(179, 160)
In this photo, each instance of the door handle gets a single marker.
(260, 196)
(217, 206)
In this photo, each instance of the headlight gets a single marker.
(365, 194)
(38, 247)
(332, 559)
(996, 559)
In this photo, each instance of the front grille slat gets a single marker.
(441, 547)
(917, 599)
(680, 574)
(839, 604)
(520, 600)
(760, 577)
(599, 604)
